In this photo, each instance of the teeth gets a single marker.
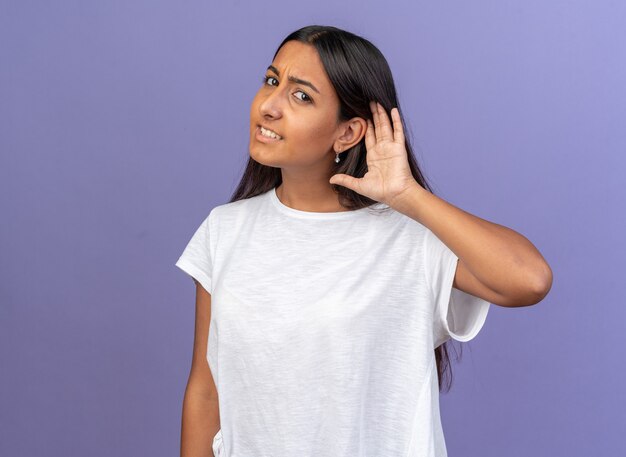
(270, 134)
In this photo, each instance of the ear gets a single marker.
(351, 132)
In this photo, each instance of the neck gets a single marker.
(306, 195)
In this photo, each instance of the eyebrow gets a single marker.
(294, 79)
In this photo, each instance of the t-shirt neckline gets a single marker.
(311, 214)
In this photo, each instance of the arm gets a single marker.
(495, 262)
(200, 417)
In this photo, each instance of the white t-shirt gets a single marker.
(323, 329)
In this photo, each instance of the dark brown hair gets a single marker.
(359, 73)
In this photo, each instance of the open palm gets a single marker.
(388, 172)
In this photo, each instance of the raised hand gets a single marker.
(388, 173)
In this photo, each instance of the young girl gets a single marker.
(328, 286)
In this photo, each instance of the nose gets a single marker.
(271, 105)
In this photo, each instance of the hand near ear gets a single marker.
(388, 173)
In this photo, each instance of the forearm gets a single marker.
(500, 258)
(200, 423)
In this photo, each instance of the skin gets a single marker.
(306, 157)
(311, 131)
(495, 263)
(201, 412)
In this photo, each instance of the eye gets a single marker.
(306, 98)
(265, 78)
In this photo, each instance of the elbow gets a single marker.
(544, 283)
(536, 286)
(541, 285)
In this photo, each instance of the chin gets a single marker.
(264, 159)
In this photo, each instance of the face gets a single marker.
(305, 116)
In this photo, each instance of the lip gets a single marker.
(264, 139)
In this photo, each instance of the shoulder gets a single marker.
(232, 211)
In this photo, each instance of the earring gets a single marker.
(337, 156)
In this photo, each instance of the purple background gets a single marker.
(123, 123)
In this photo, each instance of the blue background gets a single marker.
(122, 123)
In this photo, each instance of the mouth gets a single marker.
(263, 138)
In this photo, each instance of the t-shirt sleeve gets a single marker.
(196, 259)
(456, 314)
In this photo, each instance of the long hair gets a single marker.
(359, 73)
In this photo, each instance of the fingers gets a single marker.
(398, 131)
(386, 133)
(374, 108)
(381, 122)
(348, 181)
(370, 136)
(382, 126)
